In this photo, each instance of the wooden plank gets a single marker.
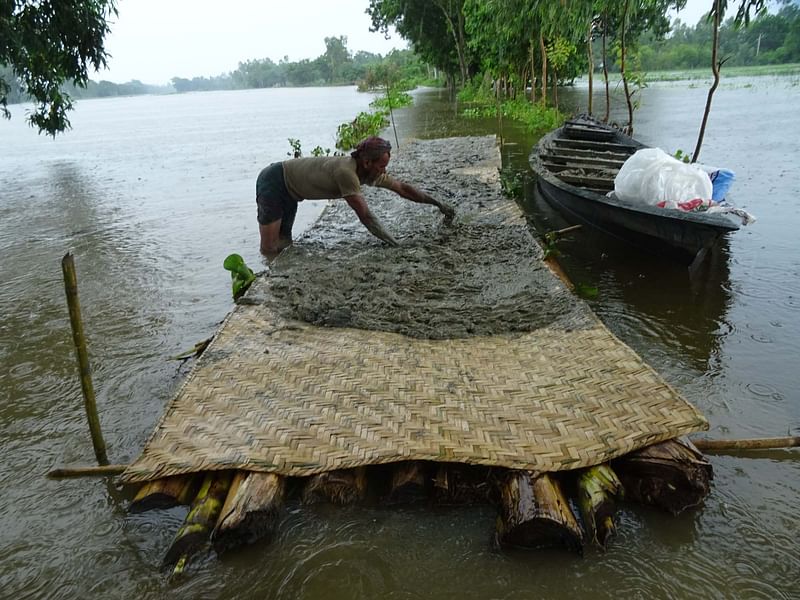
(584, 159)
(585, 182)
(604, 172)
(592, 153)
(588, 144)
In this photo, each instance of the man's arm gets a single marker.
(409, 192)
(370, 221)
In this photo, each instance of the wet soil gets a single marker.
(480, 275)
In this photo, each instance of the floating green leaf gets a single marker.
(585, 290)
(241, 274)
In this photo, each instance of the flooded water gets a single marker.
(151, 194)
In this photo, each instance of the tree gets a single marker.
(47, 43)
(716, 14)
(336, 57)
(427, 26)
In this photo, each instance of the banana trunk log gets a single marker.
(462, 484)
(671, 475)
(410, 482)
(251, 510)
(343, 486)
(598, 490)
(201, 519)
(165, 493)
(534, 513)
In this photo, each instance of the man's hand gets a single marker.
(448, 211)
(369, 220)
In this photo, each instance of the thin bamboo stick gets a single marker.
(747, 444)
(78, 337)
(566, 230)
(72, 472)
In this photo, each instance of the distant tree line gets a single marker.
(337, 66)
(770, 39)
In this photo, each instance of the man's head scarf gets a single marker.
(372, 148)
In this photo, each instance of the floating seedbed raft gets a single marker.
(456, 368)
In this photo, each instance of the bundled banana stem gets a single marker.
(165, 493)
(535, 513)
(342, 486)
(598, 490)
(410, 482)
(671, 475)
(251, 510)
(200, 521)
(462, 484)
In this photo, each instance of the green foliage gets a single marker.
(588, 291)
(536, 117)
(241, 275)
(770, 39)
(511, 182)
(297, 150)
(559, 51)
(683, 156)
(320, 151)
(435, 29)
(348, 135)
(478, 90)
(47, 44)
(550, 244)
(393, 99)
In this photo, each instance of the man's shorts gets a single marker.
(272, 197)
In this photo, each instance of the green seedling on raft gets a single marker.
(241, 274)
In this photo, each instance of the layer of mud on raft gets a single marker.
(454, 369)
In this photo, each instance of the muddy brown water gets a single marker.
(152, 193)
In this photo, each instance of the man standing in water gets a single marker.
(282, 185)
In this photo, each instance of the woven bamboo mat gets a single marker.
(274, 393)
(296, 399)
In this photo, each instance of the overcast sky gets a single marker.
(156, 40)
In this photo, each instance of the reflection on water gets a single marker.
(152, 193)
(650, 301)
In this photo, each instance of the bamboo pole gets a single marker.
(747, 444)
(73, 472)
(78, 337)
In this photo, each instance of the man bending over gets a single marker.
(281, 185)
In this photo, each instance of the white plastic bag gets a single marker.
(651, 176)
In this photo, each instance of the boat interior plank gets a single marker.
(590, 145)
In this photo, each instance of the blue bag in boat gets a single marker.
(721, 182)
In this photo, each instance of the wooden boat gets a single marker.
(576, 166)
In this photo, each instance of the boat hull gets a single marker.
(679, 241)
(560, 160)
